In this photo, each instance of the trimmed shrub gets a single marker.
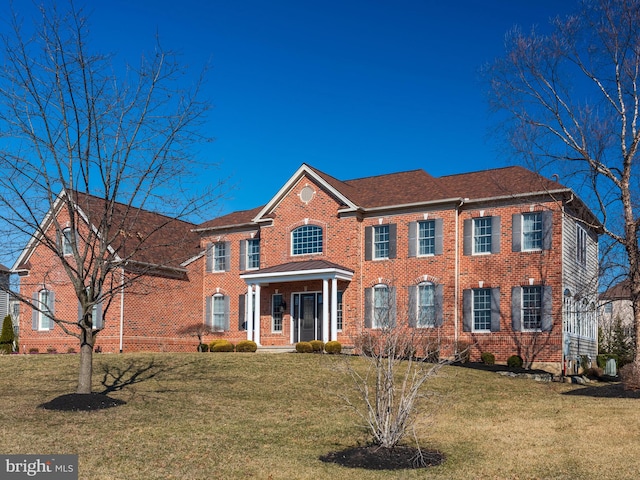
(246, 346)
(630, 376)
(6, 337)
(515, 361)
(203, 347)
(333, 347)
(304, 347)
(488, 358)
(52, 350)
(34, 350)
(71, 350)
(213, 343)
(593, 373)
(223, 346)
(317, 346)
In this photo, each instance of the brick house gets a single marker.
(497, 259)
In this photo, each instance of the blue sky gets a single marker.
(354, 88)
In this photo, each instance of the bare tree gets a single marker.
(400, 358)
(571, 99)
(88, 149)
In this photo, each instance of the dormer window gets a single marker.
(306, 239)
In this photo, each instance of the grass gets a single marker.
(270, 416)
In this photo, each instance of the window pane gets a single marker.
(66, 241)
(532, 231)
(381, 307)
(482, 309)
(277, 312)
(253, 253)
(426, 306)
(482, 235)
(219, 257)
(306, 239)
(381, 241)
(339, 319)
(531, 308)
(218, 312)
(426, 237)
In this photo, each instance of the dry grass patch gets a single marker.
(260, 416)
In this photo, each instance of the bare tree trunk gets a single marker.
(86, 369)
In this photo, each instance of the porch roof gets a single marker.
(298, 271)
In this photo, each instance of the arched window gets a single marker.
(306, 239)
(67, 239)
(426, 303)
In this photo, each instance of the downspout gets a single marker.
(456, 288)
(122, 310)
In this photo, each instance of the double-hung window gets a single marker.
(532, 308)
(426, 237)
(306, 239)
(482, 235)
(67, 239)
(42, 318)
(253, 253)
(426, 305)
(217, 312)
(482, 310)
(339, 318)
(532, 231)
(381, 241)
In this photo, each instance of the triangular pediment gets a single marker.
(314, 176)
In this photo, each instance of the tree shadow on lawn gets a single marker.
(611, 390)
(114, 378)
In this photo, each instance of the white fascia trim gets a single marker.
(192, 259)
(453, 200)
(249, 226)
(35, 238)
(304, 169)
(542, 193)
(300, 275)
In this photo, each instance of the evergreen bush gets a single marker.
(203, 347)
(317, 346)
(304, 347)
(246, 346)
(488, 358)
(7, 337)
(223, 346)
(515, 361)
(333, 347)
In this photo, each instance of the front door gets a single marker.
(308, 313)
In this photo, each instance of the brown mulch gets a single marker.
(374, 457)
(74, 402)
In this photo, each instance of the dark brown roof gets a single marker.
(301, 266)
(141, 235)
(620, 291)
(3, 269)
(497, 182)
(241, 217)
(417, 186)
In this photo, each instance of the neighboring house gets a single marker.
(4, 291)
(615, 306)
(499, 260)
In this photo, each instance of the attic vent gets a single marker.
(306, 194)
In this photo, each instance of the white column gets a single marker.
(257, 316)
(248, 316)
(325, 310)
(334, 309)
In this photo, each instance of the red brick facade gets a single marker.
(340, 216)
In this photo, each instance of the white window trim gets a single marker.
(248, 254)
(418, 238)
(43, 317)
(217, 257)
(321, 252)
(273, 312)
(522, 242)
(376, 323)
(221, 298)
(373, 242)
(530, 330)
(473, 238)
(418, 305)
(67, 247)
(473, 311)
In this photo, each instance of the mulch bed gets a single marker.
(74, 402)
(374, 457)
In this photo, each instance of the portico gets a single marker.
(311, 316)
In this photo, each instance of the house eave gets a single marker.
(298, 275)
